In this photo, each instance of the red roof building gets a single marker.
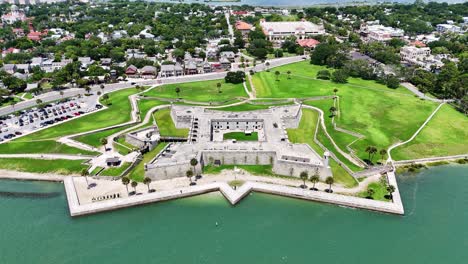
(243, 26)
(35, 36)
(418, 43)
(308, 43)
(240, 13)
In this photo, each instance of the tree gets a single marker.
(102, 87)
(267, 64)
(235, 77)
(38, 101)
(382, 153)
(332, 110)
(194, 163)
(329, 180)
(289, 74)
(105, 97)
(371, 150)
(277, 74)
(104, 141)
(339, 76)
(134, 185)
(335, 91)
(61, 94)
(125, 181)
(391, 190)
(370, 193)
(323, 75)
(314, 179)
(304, 176)
(189, 175)
(88, 89)
(218, 85)
(392, 82)
(147, 181)
(177, 90)
(85, 173)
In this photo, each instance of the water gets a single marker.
(261, 229)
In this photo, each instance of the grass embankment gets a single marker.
(241, 136)
(305, 134)
(118, 112)
(138, 172)
(445, 135)
(94, 139)
(64, 167)
(166, 125)
(204, 91)
(42, 147)
(379, 189)
(115, 171)
(122, 146)
(260, 170)
(144, 105)
(250, 107)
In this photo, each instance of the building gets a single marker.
(14, 15)
(448, 28)
(170, 70)
(207, 144)
(244, 28)
(373, 31)
(420, 57)
(148, 72)
(131, 71)
(308, 43)
(279, 31)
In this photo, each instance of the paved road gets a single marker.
(415, 90)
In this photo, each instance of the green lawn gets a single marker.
(94, 139)
(43, 166)
(241, 136)
(260, 170)
(166, 125)
(380, 191)
(42, 146)
(205, 91)
(305, 134)
(146, 104)
(446, 134)
(115, 171)
(10, 101)
(138, 172)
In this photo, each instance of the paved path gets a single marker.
(47, 156)
(416, 91)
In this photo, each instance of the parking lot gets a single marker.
(27, 121)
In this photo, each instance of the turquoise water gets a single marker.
(261, 229)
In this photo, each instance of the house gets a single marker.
(31, 87)
(277, 32)
(244, 28)
(9, 68)
(85, 62)
(36, 62)
(19, 32)
(225, 63)
(448, 28)
(308, 43)
(373, 31)
(207, 67)
(106, 62)
(148, 72)
(14, 15)
(355, 55)
(228, 55)
(35, 36)
(134, 54)
(23, 68)
(190, 67)
(131, 70)
(169, 70)
(420, 57)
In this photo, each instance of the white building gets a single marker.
(420, 57)
(14, 15)
(448, 28)
(279, 31)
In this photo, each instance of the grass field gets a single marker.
(380, 191)
(250, 107)
(144, 105)
(43, 146)
(259, 170)
(241, 136)
(205, 91)
(43, 166)
(138, 173)
(305, 134)
(446, 134)
(115, 171)
(94, 139)
(166, 125)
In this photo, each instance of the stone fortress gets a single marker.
(205, 143)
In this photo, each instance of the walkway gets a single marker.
(416, 91)
(47, 156)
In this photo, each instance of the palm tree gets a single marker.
(88, 89)
(193, 163)
(177, 90)
(335, 91)
(371, 150)
(304, 176)
(134, 185)
(391, 190)
(189, 175)
(38, 101)
(382, 153)
(13, 105)
(147, 181)
(218, 85)
(370, 193)
(125, 181)
(85, 173)
(104, 141)
(267, 64)
(61, 94)
(329, 180)
(332, 110)
(102, 87)
(289, 74)
(277, 74)
(314, 179)
(105, 97)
